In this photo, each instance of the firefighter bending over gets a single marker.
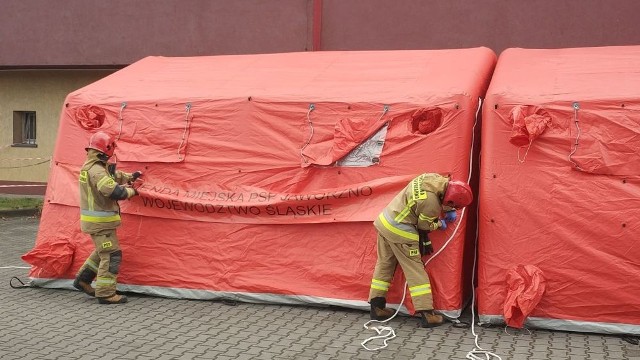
(100, 190)
(402, 226)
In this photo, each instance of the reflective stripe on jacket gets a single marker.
(417, 206)
(97, 210)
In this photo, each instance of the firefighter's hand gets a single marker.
(450, 216)
(136, 185)
(131, 192)
(136, 175)
(443, 224)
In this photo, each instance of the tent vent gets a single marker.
(367, 153)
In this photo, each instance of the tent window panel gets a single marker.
(24, 128)
(366, 154)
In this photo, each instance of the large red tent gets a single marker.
(560, 191)
(263, 173)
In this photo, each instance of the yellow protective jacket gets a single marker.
(417, 206)
(99, 195)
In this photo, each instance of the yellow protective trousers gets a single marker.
(407, 254)
(105, 261)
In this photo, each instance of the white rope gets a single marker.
(526, 152)
(506, 332)
(124, 104)
(390, 332)
(311, 108)
(186, 126)
(473, 354)
(15, 267)
(576, 107)
(478, 350)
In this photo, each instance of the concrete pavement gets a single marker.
(60, 324)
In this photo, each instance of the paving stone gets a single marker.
(39, 324)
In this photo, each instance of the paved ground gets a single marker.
(60, 324)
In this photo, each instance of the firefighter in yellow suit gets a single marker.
(100, 190)
(416, 210)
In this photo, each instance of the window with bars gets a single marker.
(24, 128)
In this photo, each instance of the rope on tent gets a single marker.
(311, 108)
(390, 332)
(124, 105)
(477, 351)
(576, 107)
(525, 153)
(186, 127)
(473, 354)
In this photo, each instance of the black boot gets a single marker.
(114, 299)
(379, 309)
(83, 281)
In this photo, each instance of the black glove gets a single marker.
(136, 175)
(424, 243)
(111, 168)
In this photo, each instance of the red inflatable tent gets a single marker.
(263, 173)
(560, 191)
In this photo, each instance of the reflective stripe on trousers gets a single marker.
(380, 285)
(405, 230)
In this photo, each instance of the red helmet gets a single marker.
(458, 194)
(102, 142)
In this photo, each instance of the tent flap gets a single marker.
(526, 285)
(528, 124)
(53, 258)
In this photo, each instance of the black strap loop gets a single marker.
(230, 302)
(21, 286)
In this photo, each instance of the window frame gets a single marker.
(25, 129)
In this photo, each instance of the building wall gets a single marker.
(85, 34)
(120, 32)
(497, 24)
(42, 91)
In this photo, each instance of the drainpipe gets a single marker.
(317, 24)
